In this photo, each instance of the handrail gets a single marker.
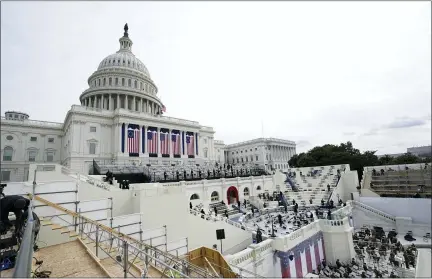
(24, 258)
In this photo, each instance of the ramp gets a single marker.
(69, 259)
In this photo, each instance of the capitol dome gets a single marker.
(122, 81)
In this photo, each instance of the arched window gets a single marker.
(116, 81)
(136, 84)
(123, 82)
(214, 196)
(258, 187)
(104, 81)
(246, 192)
(194, 197)
(110, 81)
(129, 83)
(7, 153)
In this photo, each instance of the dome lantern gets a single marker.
(125, 42)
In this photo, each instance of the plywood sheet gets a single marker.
(68, 260)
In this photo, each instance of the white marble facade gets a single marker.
(120, 91)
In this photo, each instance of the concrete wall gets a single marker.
(418, 209)
(347, 185)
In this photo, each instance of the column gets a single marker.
(145, 139)
(158, 141)
(120, 129)
(182, 142)
(134, 104)
(110, 106)
(126, 139)
(126, 102)
(170, 144)
(118, 102)
(102, 102)
(196, 146)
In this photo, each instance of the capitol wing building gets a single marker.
(121, 118)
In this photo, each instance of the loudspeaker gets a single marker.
(220, 234)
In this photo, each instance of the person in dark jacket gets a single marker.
(15, 204)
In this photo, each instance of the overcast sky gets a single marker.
(312, 72)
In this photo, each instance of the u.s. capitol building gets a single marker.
(121, 118)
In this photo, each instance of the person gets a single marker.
(259, 236)
(190, 205)
(202, 211)
(363, 275)
(184, 175)
(215, 210)
(226, 213)
(199, 174)
(328, 187)
(239, 204)
(310, 200)
(280, 220)
(322, 202)
(17, 205)
(338, 264)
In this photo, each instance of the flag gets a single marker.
(152, 141)
(163, 108)
(190, 144)
(164, 139)
(175, 143)
(133, 140)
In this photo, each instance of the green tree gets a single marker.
(386, 160)
(407, 158)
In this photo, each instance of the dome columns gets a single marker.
(115, 101)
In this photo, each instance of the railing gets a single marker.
(85, 178)
(373, 210)
(131, 249)
(34, 122)
(24, 258)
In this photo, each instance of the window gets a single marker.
(266, 156)
(238, 160)
(136, 84)
(92, 148)
(256, 149)
(246, 192)
(92, 129)
(205, 153)
(50, 140)
(9, 137)
(104, 81)
(247, 159)
(242, 160)
(241, 151)
(7, 153)
(129, 83)
(50, 156)
(123, 82)
(116, 81)
(251, 158)
(98, 82)
(258, 188)
(5, 176)
(110, 81)
(141, 85)
(251, 149)
(32, 156)
(194, 197)
(257, 157)
(33, 138)
(232, 153)
(233, 161)
(214, 196)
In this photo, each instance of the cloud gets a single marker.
(405, 122)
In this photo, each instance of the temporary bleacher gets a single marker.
(311, 183)
(399, 180)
